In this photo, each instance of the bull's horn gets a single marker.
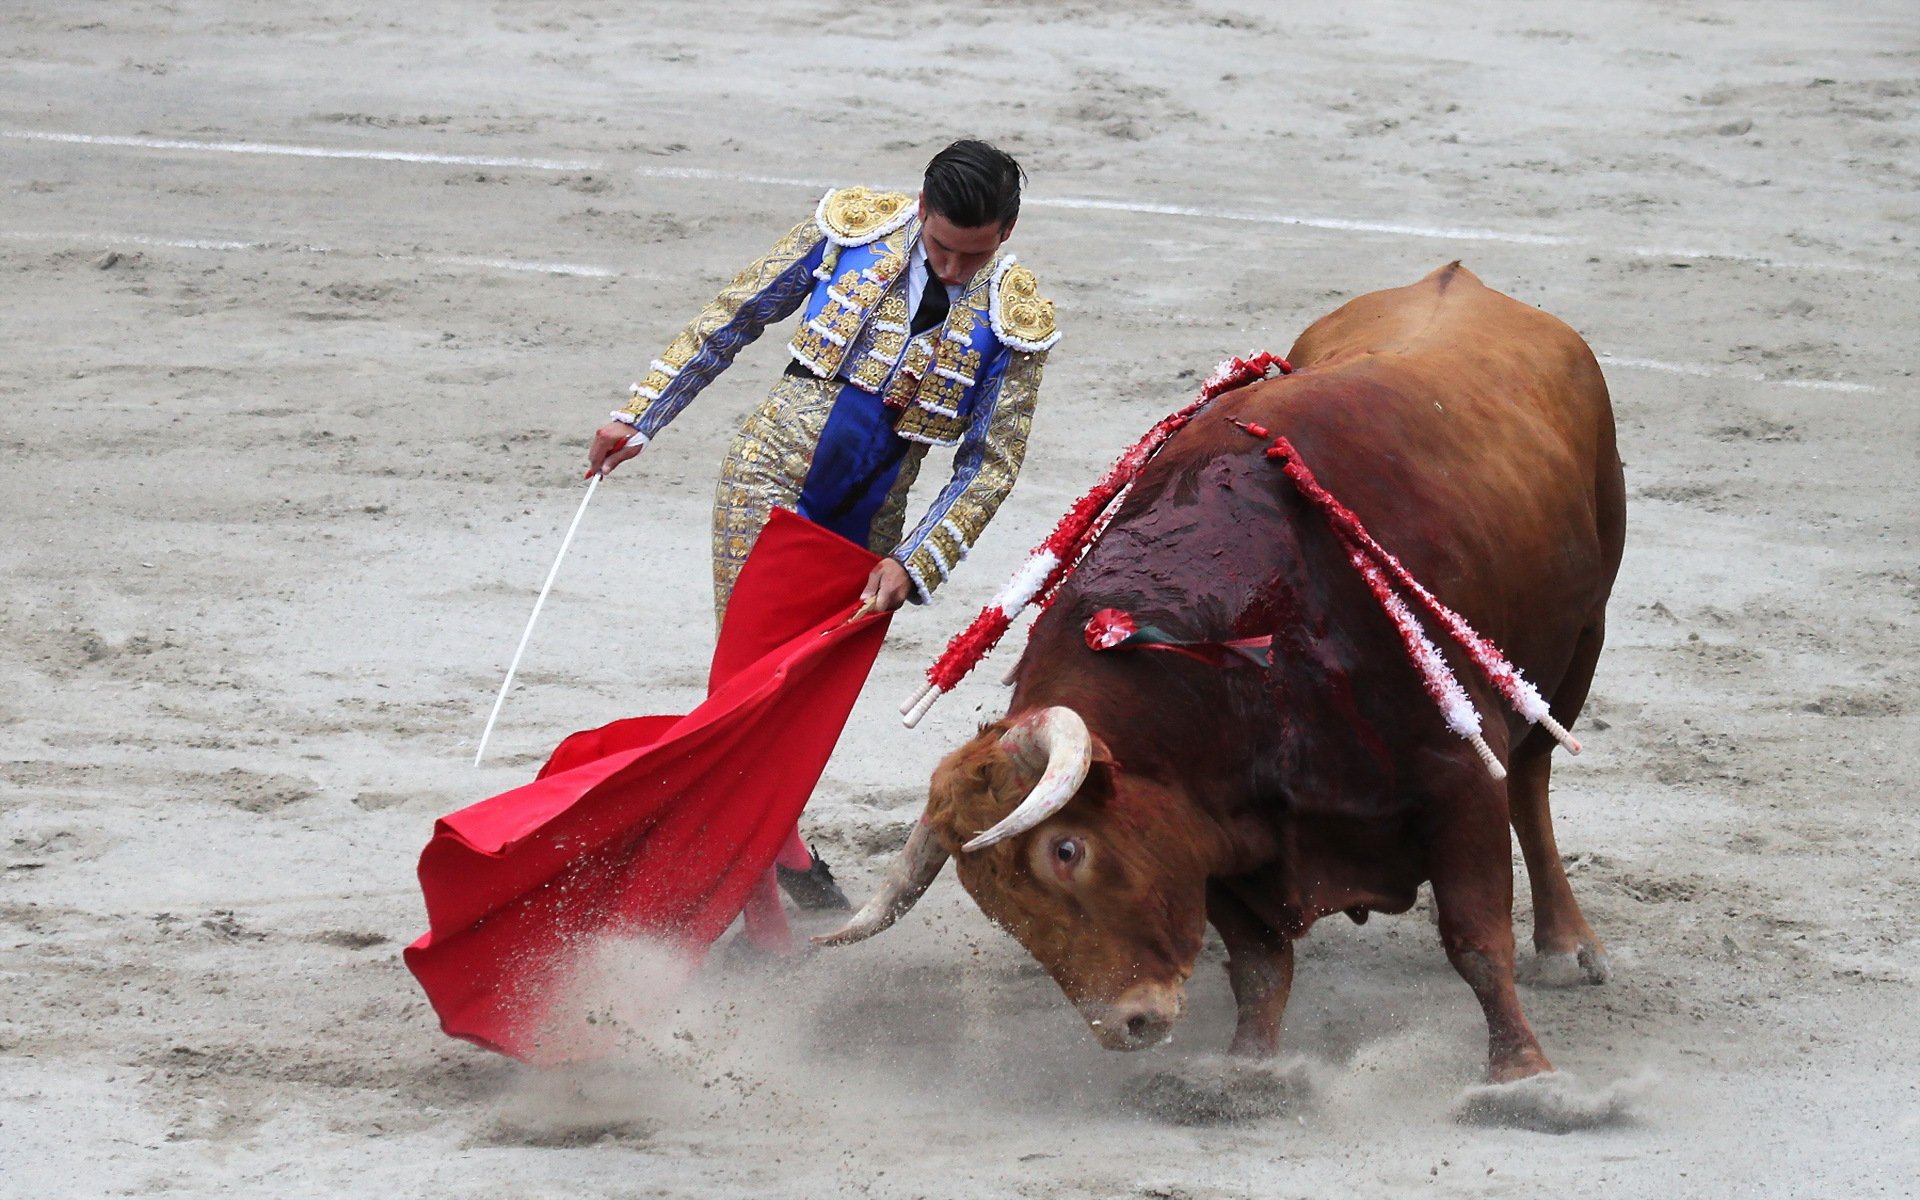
(1059, 737)
(909, 876)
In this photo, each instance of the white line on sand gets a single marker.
(134, 239)
(1334, 223)
(113, 240)
(286, 151)
(1703, 371)
(585, 270)
(1064, 202)
(1085, 204)
(732, 177)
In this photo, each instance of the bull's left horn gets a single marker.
(1060, 737)
(907, 879)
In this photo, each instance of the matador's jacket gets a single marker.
(841, 437)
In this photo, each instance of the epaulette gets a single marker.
(856, 216)
(1021, 316)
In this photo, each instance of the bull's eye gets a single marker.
(1062, 856)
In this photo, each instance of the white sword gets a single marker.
(526, 634)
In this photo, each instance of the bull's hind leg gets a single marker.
(1260, 969)
(1472, 868)
(1566, 950)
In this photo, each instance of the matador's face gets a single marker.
(957, 252)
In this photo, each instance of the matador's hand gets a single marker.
(887, 586)
(610, 449)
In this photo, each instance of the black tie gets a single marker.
(933, 305)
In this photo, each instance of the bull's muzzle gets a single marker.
(1144, 1015)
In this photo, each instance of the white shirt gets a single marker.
(918, 272)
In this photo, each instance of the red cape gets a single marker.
(658, 827)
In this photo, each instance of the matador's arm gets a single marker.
(985, 465)
(768, 291)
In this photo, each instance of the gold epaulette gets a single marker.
(856, 216)
(1021, 316)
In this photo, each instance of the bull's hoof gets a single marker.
(1586, 965)
(1256, 1045)
(1550, 1102)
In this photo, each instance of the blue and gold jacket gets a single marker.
(970, 383)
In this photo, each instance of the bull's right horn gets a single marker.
(907, 879)
(1061, 736)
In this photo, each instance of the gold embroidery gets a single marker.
(766, 465)
(824, 342)
(947, 549)
(891, 266)
(889, 338)
(1005, 448)
(915, 366)
(962, 321)
(938, 390)
(680, 352)
(669, 364)
(813, 351)
(857, 215)
(1022, 317)
(917, 424)
(945, 390)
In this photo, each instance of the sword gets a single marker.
(527, 634)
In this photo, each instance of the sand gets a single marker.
(309, 309)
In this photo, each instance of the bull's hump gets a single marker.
(1446, 308)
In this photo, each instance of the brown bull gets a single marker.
(1129, 799)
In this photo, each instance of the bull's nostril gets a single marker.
(1137, 1026)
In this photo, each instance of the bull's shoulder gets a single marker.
(1022, 318)
(856, 216)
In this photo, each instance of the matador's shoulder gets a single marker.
(1022, 318)
(856, 216)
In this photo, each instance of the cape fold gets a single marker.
(656, 827)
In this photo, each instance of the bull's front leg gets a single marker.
(1259, 968)
(1472, 868)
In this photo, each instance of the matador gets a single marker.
(918, 331)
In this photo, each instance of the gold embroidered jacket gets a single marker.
(970, 383)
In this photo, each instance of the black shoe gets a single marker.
(814, 887)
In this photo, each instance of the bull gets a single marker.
(1128, 800)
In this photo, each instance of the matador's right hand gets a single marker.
(610, 448)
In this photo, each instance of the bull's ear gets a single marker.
(965, 780)
(1100, 752)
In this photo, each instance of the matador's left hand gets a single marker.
(887, 586)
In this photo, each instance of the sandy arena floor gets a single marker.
(308, 311)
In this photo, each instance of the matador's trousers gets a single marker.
(823, 449)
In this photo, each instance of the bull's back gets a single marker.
(1473, 434)
(1470, 433)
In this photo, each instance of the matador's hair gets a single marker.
(972, 184)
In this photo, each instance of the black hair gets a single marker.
(973, 184)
